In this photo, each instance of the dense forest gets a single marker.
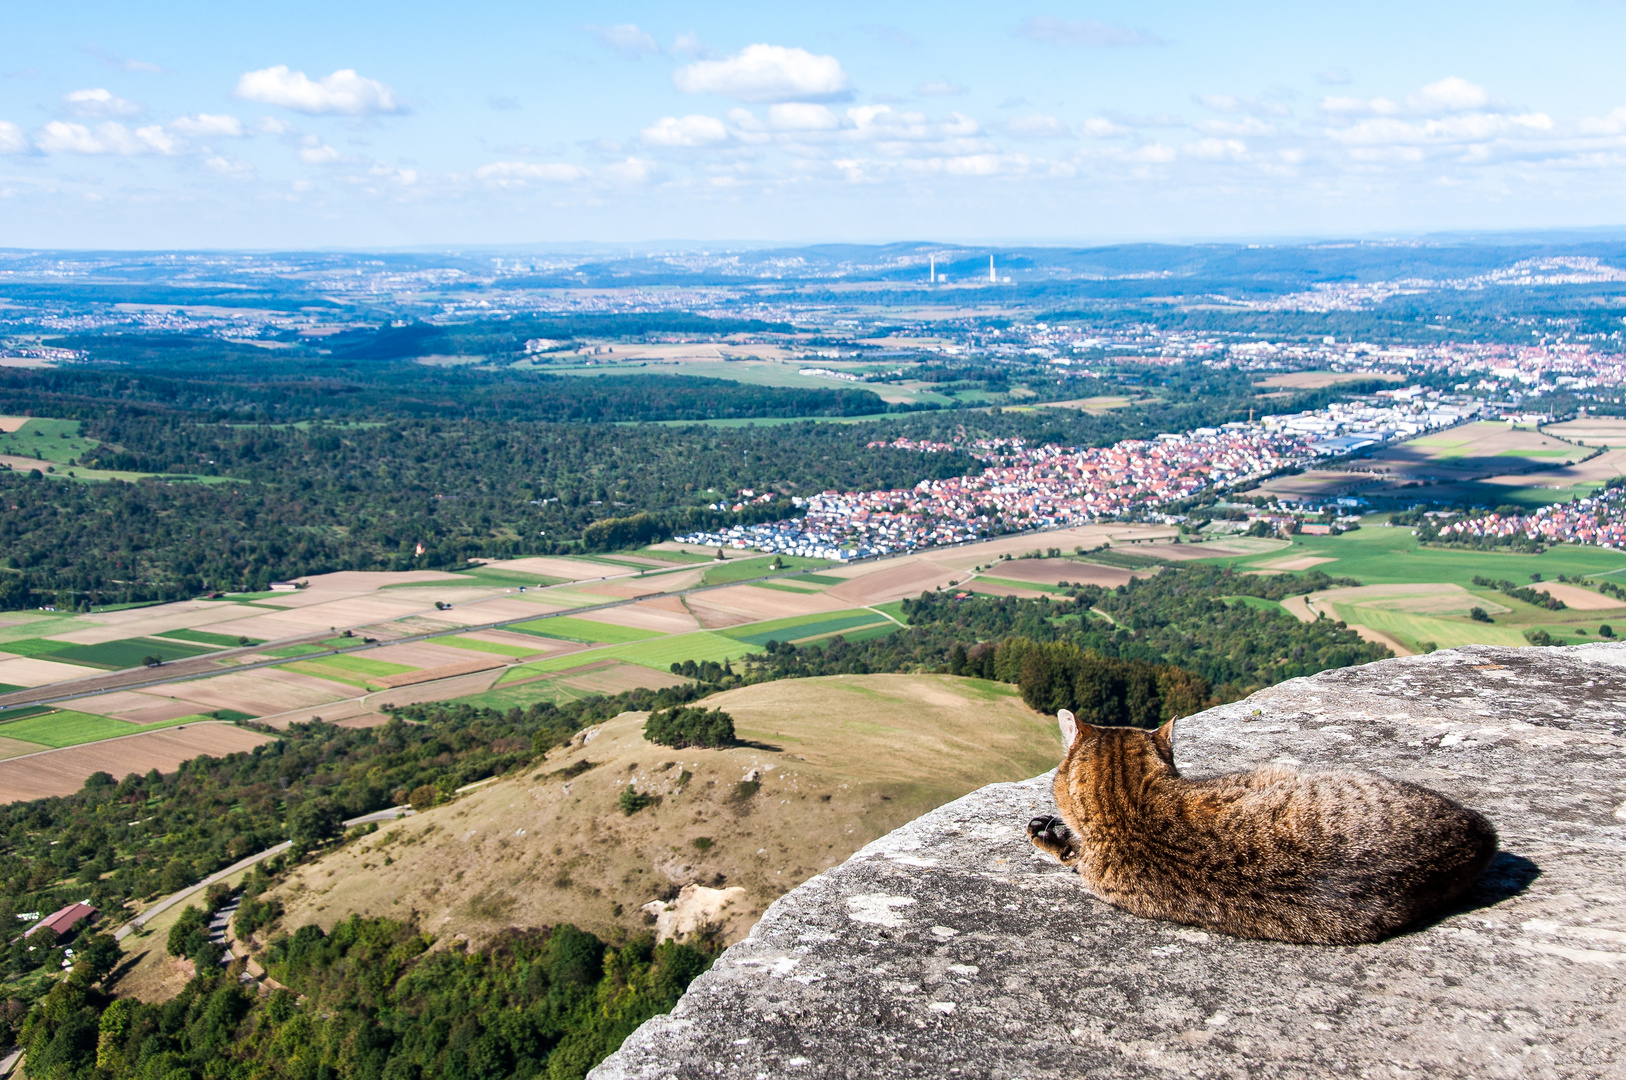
(284, 500)
(1196, 618)
(371, 1001)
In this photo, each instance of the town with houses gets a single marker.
(1599, 520)
(1025, 487)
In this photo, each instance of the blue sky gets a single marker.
(371, 124)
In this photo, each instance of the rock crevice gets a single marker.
(951, 947)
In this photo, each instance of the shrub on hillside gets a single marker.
(690, 725)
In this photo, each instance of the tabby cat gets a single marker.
(1329, 858)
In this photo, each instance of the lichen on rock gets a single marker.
(951, 944)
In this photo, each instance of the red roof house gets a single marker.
(64, 920)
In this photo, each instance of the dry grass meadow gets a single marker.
(840, 760)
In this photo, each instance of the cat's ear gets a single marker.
(1163, 740)
(1069, 728)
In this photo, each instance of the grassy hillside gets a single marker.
(842, 760)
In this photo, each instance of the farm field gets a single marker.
(1484, 463)
(62, 772)
(1419, 595)
(843, 760)
(540, 656)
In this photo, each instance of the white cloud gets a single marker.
(883, 122)
(1229, 103)
(343, 93)
(62, 137)
(404, 177)
(766, 73)
(692, 130)
(1449, 95)
(12, 139)
(1334, 76)
(520, 173)
(626, 39)
(207, 125)
(1215, 149)
(1348, 106)
(1248, 125)
(1098, 127)
(802, 116)
(1613, 123)
(688, 43)
(98, 103)
(1035, 126)
(1085, 33)
(316, 152)
(939, 88)
(1444, 131)
(270, 125)
(631, 171)
(230, 168)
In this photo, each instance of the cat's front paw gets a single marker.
(1051, 835)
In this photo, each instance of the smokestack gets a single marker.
(934, 269)
(991, 277)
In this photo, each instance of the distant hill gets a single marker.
(840, 760)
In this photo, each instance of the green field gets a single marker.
(64, 727)
(1012, 583)
(6, 688)
(660, 653)
(780, 586)
(570, 628)
(803, 627)
(757, 566)
(203, 637)
(361, 665)
(34, 647)
(497, 647)
(304, 648)
(56, 441)
(1442, 631)
(1379, 555)
(128, 653)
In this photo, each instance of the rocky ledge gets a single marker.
(949, 948)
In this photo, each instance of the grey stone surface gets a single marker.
(950, 949)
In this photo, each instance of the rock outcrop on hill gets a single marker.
(949, 948)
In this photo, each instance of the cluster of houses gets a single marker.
(1026, 487)
(1600, 521)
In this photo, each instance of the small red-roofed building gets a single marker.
(64, 920)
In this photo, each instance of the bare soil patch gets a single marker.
(559, 568)
(895, 580)
(614, 678)
(742, 604)
(1056, 571)
(10, 748)
(63, 772)
(1304, 562)
(666, 615)
(258, 692)
(1577, 597)
(434, 674)
(31, 671)
(1315, 380)
(365, 720)
(1594, 431)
